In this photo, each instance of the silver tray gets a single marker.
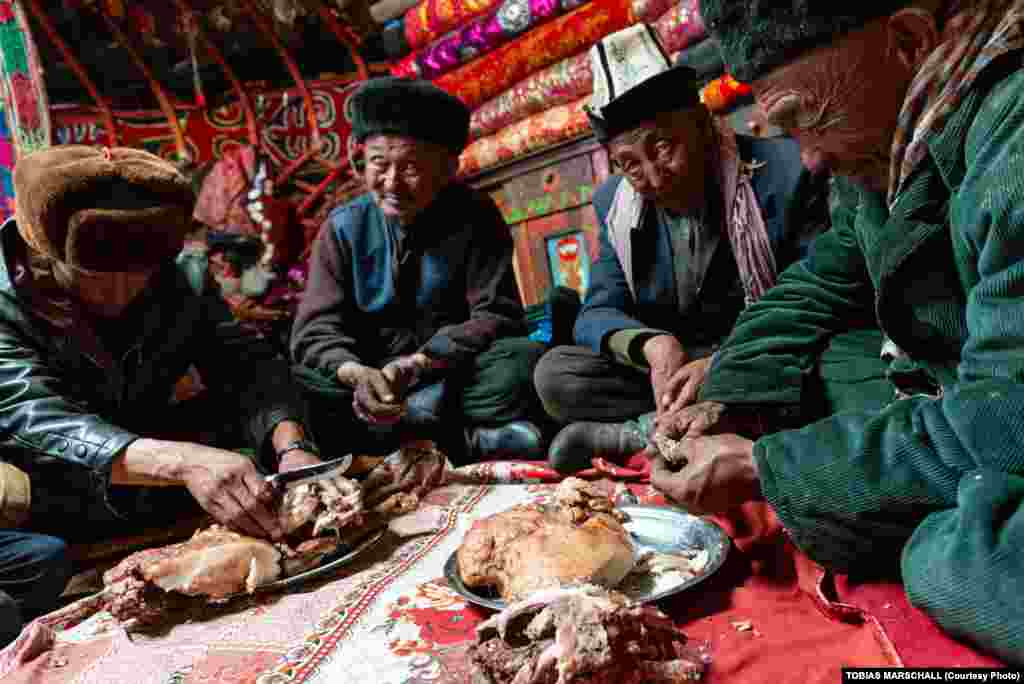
(330, 563)
(653, 528)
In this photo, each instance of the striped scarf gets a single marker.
(975, 33)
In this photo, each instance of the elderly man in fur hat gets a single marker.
(411, 324)
(919, 106)
(98, 322)
(695, 226)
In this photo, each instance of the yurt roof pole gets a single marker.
(161, 95)
(243, 97)
(307, 97)
(345, 36)
(83, 76)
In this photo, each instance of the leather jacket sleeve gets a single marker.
(39, 418)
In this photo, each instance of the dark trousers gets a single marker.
(576, 383)
(33, 572)
(495, 389)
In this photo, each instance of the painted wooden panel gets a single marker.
(537, 245)
(564, 185)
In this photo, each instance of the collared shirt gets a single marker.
(693, 245)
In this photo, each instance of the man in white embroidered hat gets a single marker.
(695, 225)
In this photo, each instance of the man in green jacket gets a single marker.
(919, 106)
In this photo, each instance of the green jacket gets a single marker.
(942, 273)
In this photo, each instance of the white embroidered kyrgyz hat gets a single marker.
(634, 80)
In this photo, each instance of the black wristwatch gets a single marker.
(303, 444)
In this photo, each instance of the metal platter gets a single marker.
(653, 528)
(330, 563)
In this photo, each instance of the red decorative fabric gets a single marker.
(210, 134)
(536, 132)
(479, 37)
(221, 201)
(430, 19)
(485, 78)
(680, 26)
(648, 11)
(563, 83)
(560, 84)
(764, 617)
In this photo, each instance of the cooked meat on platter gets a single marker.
(581, 635)
(217, 563)
(577, 540)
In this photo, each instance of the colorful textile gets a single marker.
(550, 127)
(431, 19)
(25, 110)
(479, 37)
(557, 85)
(648, 11)
(390, 616)
(484, 78)
(560, 84)
(975, 34)
(222, 199)
(284, 130)
(680, 26)
(24, 91)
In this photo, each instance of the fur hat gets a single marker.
(760, 35)
(634, 80)
(102, 209)
(417, 109)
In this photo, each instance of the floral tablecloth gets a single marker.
(390, 618)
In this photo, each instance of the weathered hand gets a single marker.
(405, 371)
(230, 488)
(686, 383)
(666, 357)
(719, 474)
(374, 400)
(695, 420)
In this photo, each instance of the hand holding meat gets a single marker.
(695, 420)
(719, 474)
(217, 563)
(229, 487)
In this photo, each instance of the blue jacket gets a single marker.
(454, 296)
(794, 209)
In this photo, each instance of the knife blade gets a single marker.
(312, 473)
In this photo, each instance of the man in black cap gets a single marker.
(411, 324)
(919, 106)
(694, 227)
